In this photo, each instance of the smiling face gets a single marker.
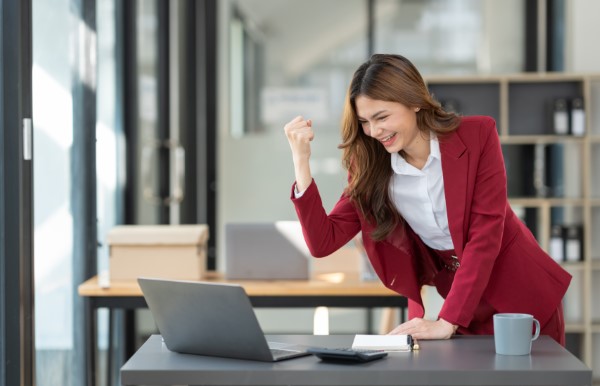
(393, 124)
(387, 101)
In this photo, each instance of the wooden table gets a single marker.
(328, 290)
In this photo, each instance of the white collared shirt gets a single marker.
(419, 197)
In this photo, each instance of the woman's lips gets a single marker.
(387, 141)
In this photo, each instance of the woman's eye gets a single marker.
(381, 119)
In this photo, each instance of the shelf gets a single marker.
(529, 104)
(443, 79)
(544, 77)
(551, 179)
(540, 77)
(578, 266)
(473, 98)
(539, 139)
(534, 202)
(574, 327)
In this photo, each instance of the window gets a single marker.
(452, 36)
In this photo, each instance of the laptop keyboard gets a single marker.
(283, 350)
(278, 352)
(282, 354)
(279, 345)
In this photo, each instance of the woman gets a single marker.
(427, 189)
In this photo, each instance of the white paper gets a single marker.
(278, 104)
(382, 342)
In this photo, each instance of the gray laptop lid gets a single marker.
(207, 319)
(266, 251)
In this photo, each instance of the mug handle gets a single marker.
(537, 330)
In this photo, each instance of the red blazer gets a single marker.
(501, 262)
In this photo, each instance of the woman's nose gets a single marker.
(376, 130)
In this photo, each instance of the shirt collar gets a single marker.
(434, 147)
(400, 166)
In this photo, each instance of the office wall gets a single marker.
(582, 31)
(503, 42)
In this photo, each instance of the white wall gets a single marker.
(582, 31)
(504, 37)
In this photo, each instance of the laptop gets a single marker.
(266, 251)
(211, 319)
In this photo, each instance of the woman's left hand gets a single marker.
(426, 329)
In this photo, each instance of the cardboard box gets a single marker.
(341, 265)
(161, 251)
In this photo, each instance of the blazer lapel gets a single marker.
(455, 162)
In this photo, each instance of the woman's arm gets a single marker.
(485, 229)
(324, 234)
(299, 134)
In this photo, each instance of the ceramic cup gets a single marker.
(513, 333)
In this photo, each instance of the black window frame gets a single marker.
(17, 346)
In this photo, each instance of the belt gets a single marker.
(448, 260)
(453, 264)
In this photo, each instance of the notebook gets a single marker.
(383, 342)
(266, 251)
(211, 319)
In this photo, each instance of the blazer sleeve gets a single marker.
(485, 229)
(323, 233)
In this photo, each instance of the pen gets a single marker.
(415, 345)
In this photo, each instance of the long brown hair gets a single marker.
(391, 78)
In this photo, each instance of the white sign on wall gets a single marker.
(280, 105)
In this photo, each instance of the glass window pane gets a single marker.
(303, 55)
(282, 58)
(109, 137)
(453, 36)
(55, 32)
(53, 232)
(292, 57)
(147, 113)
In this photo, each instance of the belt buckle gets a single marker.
(454, 265)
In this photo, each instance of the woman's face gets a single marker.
(393, 124)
